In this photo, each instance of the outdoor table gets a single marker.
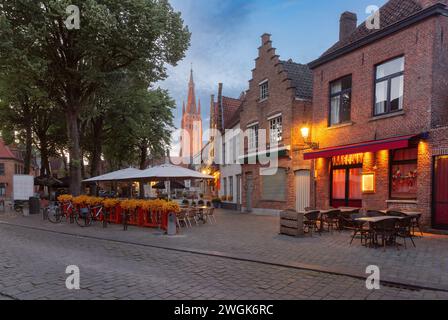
(376, 219)
(371, 220)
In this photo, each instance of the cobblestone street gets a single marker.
(33, 263)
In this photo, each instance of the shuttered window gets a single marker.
(274, 185)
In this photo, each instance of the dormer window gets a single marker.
(264, 90)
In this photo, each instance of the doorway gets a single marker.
(249, 190)
(346, 186)
(440, 193)
(303, 189)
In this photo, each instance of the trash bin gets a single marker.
(172, 227)
(34, 204)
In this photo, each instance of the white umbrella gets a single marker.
(167, 172)
(115, 176)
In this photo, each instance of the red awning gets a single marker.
(368, 146)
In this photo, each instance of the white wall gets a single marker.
(231, 170)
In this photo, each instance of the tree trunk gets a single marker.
(28, 146)
(74, 152)
(143, 158)
(45, 165)
(97, 129)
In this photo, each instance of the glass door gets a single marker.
(440, 193)
(346, 187)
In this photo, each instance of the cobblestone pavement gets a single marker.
(256, 238)
(33, 263)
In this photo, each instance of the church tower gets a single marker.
(191, 140)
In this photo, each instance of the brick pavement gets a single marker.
(256, 238)
(33, 262)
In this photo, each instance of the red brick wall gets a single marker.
(425, 106)
(294, 114)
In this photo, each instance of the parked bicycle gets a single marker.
(87, 215)
(56, 213)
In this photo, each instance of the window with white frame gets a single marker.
(264, 90)
(252, 142)
(275, 132)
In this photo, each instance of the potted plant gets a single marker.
(216, 202)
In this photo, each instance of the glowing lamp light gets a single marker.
(305, 133)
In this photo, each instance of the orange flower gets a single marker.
(65, 198)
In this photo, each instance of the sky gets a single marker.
(226, 36)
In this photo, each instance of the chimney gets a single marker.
(347, 25)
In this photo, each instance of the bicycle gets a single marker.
(56, 213)
(100, 213)
(83, 217)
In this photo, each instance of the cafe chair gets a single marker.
(310, 222)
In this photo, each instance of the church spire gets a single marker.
(191, 104)
(199, 106)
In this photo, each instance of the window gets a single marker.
(2, 189)
(253, 137)
(274, 184)
(2, 169)
(264, 90)
(340, 101)
(404, 174)
(225, 187)
(275, 131)
(230, 198)
(389, 87)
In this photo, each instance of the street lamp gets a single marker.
(307, 139)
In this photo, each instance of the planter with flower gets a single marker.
(216, 202)
(112, 210)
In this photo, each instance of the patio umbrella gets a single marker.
(47, 181)
(115, 176)
(169, 172)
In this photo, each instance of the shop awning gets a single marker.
(368, 146)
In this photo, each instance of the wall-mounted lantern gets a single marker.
(307, 139)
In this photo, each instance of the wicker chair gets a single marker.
(210, 215)
(358, 227)
(192, 215)
(310, 221)
(404, 230)
(387, 230)
(182, 217)
(331, 218)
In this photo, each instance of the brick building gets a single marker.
(276, 106)
(11, 163)
(381, 113)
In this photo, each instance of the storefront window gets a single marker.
(346, 186)
(404, 174)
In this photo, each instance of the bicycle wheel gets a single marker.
(54, 215)
(83, 220)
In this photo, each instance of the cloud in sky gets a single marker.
(226, 35)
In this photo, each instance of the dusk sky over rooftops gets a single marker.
(226, 35)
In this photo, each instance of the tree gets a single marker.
(140, 36)
(139, 127)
